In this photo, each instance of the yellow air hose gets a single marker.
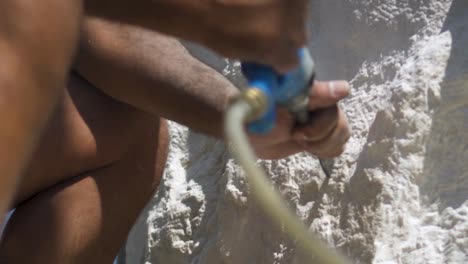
(239, 113)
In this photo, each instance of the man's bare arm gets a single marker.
(154, 73)
(37, 42)
(266, 31)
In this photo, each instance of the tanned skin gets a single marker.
(38, 40)
(37, 44)
(106, 141)
(104, 149)
(266, 31)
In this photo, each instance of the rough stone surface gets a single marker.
(399, 194)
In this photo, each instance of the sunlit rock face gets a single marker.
(399, 194)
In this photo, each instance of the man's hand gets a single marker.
(324, 137)
(264, 31)
(156, 74)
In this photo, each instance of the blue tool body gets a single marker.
(281, 89)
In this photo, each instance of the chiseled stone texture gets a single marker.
(399, 194)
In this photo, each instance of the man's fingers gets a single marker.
(330, 145)
(333, 144)
(280, 133)
(323, 122)
(325, 94)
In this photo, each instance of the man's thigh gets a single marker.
(87, 130)
(119, 154)
(37, 44)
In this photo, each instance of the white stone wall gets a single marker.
(400, 192)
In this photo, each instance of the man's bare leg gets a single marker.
(37, 43)
(85, 219)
